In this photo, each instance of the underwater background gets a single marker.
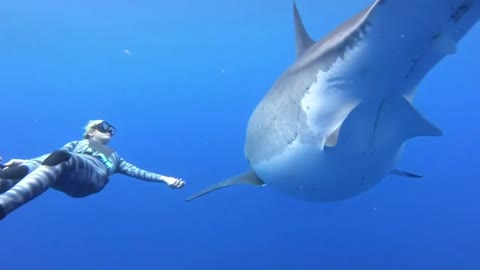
(179, 80)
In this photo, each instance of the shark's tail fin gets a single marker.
(247, 178)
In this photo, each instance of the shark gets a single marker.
(335, 123)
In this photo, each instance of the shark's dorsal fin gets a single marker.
(303, 40)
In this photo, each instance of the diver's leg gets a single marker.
(14, 172)
(6, 184)
(10, 176)
(28, 188)
(34, 183)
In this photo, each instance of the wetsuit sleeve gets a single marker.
(133, 171)
(69, 146)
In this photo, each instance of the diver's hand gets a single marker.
(173, 182)
(14, 162)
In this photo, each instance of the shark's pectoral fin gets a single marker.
(405, 174)
(247, 178)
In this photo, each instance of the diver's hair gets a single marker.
(90, 127)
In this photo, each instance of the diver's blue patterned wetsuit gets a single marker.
(8, 178)
(77, 169)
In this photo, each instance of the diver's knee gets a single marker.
(56, 158)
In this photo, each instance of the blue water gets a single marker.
(179, 80)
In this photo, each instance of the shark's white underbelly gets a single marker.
(306, 172)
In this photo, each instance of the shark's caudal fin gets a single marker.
(247, 178)
(303, 40)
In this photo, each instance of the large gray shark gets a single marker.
(335, 122)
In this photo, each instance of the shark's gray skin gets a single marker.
(334, 124)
